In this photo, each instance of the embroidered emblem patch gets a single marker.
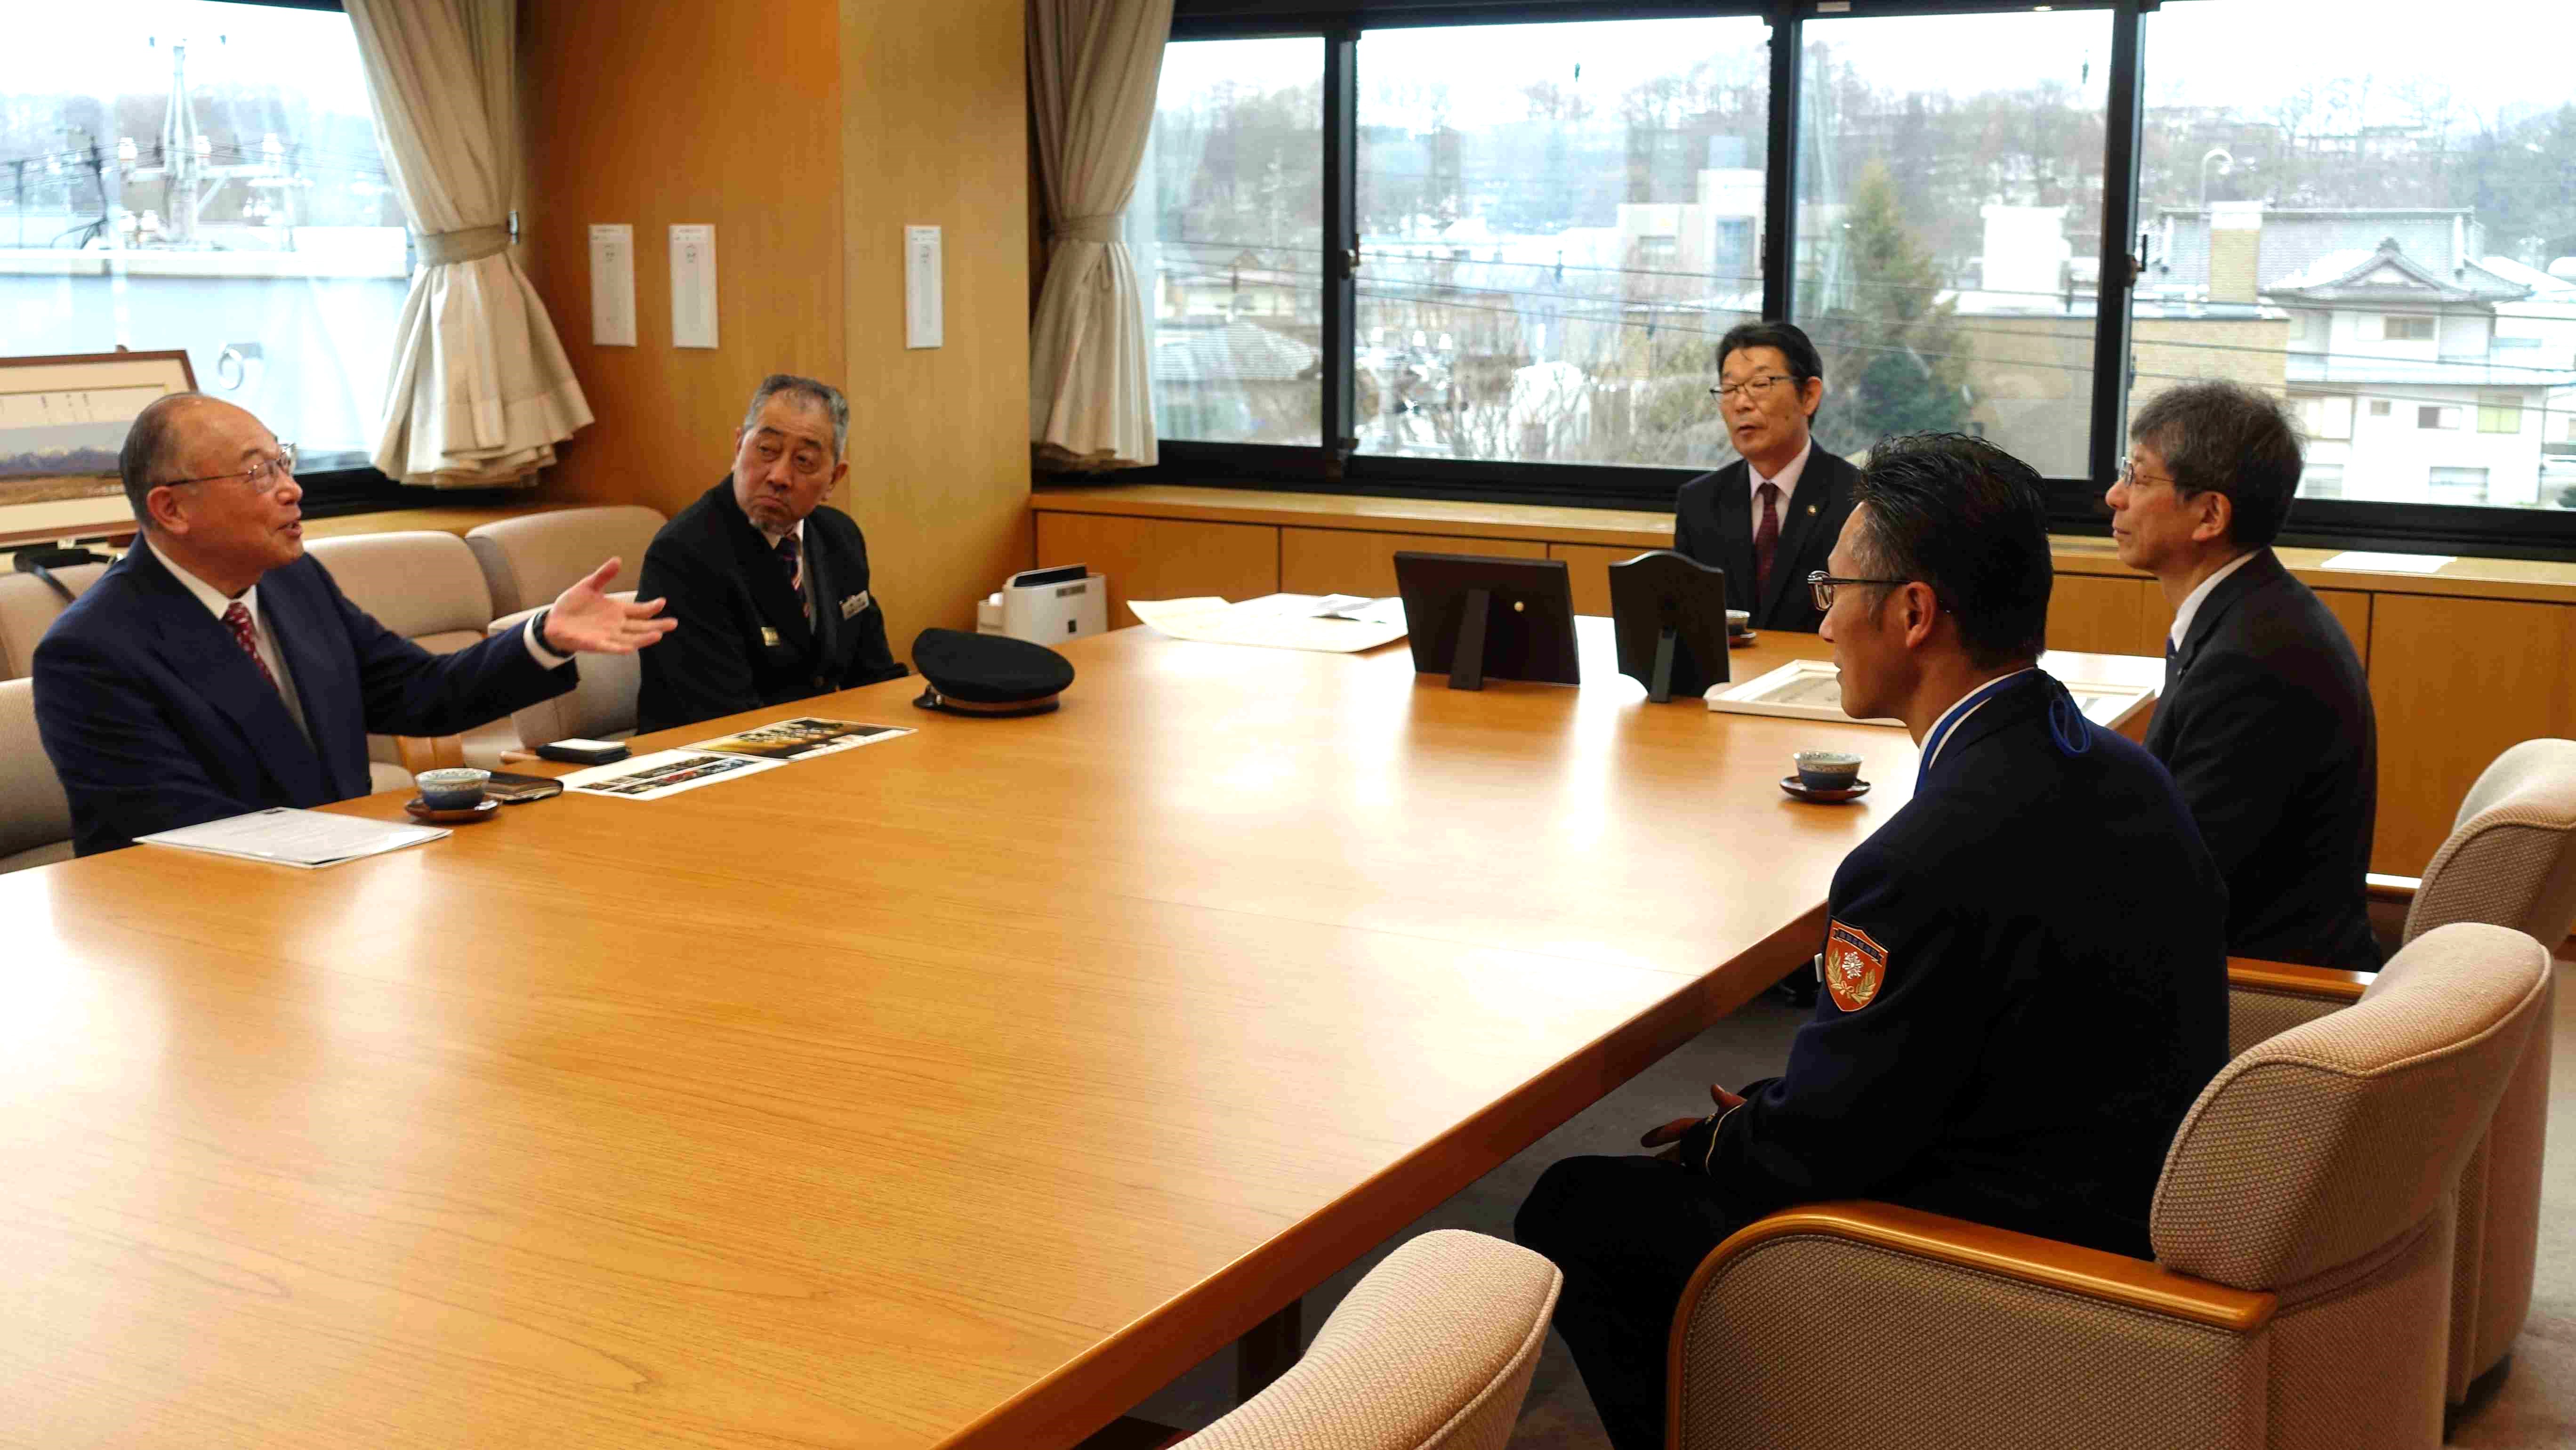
(851, 604)
(1854, 966)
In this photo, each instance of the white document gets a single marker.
(1276, 621)
(295, 838)
(2368, 562)
(922, 323)
(693, 284)
(612, 284)
(664, 772)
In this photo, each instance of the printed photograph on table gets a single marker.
(664, 772)
(800, 738)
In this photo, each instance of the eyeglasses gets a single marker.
(268, 474)
(1755, 386)
(1823, 585)
(2129, 476)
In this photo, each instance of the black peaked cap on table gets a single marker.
(988, 674)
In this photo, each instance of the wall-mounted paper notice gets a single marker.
(922, 324)
(693, 285)
(612, 284)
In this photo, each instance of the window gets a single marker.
(1229, 241)
(1530, 225)
(2321, 480)
(1922, 165)
(2323, 415)
(205, 176)
(2458, 485)
(1555, 226)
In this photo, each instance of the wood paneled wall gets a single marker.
(809, 137)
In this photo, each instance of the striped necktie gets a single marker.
(237, 618)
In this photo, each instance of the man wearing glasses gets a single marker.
(216, 670)
(771, 583)
(1767, 518)
(2265, 720)
(2025, 968)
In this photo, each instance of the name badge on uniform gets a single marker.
(1854, 966)
(769, 636)
(851, 604)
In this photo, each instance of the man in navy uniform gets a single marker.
(2265, 720)
(1767, 518)
(770, 582)
(216, 669)
(2024, 970)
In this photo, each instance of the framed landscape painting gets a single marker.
(62, 420)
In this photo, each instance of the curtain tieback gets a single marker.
(467, 244)
(1101, 229)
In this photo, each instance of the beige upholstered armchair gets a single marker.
(1432, 1351)
(2510, 861)
(2302, 1231)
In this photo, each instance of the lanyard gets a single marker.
(1950, 721)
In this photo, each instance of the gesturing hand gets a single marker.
(1672, 1132)
(584, 620)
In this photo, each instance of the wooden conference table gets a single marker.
(957, 1090)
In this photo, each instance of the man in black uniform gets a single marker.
(2265, 720)
(770, 585)
(1768, 518)
(2025, 969)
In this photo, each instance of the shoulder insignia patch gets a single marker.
(1854, 966)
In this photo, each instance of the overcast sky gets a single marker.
(2199, 52)
(117, 47)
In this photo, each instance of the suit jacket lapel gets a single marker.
(322, 684)
(820, 566)
(200, 651)
(780, 606)
(1799, 513)
(2251, 575)
(1735, 533)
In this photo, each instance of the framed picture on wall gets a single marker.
(62, 421)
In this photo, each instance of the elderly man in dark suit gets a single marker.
(1768, 518)
(2265, 720)
(216, 669)
(2025, 977)
(771, 581)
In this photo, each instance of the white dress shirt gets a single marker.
(1787, 482)
(2191, 601)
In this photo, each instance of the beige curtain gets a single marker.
(1093, 66)
(481, 391)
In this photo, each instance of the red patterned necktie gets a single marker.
(237, 616)
(1766, 540)
(787, 556)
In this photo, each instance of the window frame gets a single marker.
(2075, 505)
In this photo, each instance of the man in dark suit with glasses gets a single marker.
(1769, 518)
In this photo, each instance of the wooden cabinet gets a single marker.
(2351, 608)
(1347, 561)
(1588, 567)
(1163, 558)
(2454, 682)
(2105, 614)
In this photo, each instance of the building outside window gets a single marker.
(2458, 485)
(197, 176)
(1553, 220)
(1555, 226)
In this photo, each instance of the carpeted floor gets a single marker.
(2536, 1410)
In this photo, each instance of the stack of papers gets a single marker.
(295, 838)
(1337, 623)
